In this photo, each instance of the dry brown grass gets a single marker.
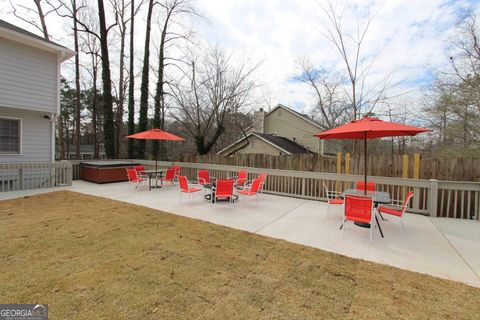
(93, 258)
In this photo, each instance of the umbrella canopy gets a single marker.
(370, 128)
(155, 134)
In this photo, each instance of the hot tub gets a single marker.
(105, 171)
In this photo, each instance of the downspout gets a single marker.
(53, 116)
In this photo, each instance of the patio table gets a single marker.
(153, 174)
(378, 197)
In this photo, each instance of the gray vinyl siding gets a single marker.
(35, 135)
(28, 77)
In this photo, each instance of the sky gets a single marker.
(410, 39)
(407, 40)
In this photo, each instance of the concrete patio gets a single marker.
(445, 248)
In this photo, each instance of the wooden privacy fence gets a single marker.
(442, 168)
(454, 199)
(34, 175)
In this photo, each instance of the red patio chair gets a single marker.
(169, 176)
(177, 169)
(134, 178)
(241, 178)
(334, 198)
(139, 169)
(263, 178)
(358, 209)
(184, 188)
(224, 189)
(203, 177)
(360, 185)
(252, 190)
(387, 209)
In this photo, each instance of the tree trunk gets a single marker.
(61, 141)
(94, 110)
(121, 93)
(131, 87)
(77, 81)
(42, 19)
(204, 147)
(108, 125)
(159, 114)
(143, 118)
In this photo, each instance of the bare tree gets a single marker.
(327, 88)
(131, 84)
(77, 79)
(120, 8)
(91, 47)
(211, 91)
(36, 17)
(69, 9)
(364, 97)
(143, 116)
(172, 9)
(108, 124)
(452, 106)
(465, 63)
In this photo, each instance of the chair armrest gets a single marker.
(248, 182)
(396, 203)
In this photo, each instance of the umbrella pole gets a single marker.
(366, 166)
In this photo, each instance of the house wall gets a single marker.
(286, 124)
(36, 136)
(28, 77)
(257, 145)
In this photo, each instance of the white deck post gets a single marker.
(433, 197)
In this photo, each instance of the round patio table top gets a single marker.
(377, 196)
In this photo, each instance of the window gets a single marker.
(9, 136)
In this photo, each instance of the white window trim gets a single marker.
(21, 138)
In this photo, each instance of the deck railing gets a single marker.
(34, 175)
(454, 199)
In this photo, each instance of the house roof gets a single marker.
(18, 34)
(283, 144)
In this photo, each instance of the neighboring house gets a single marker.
(29, 94)
(280, 131)
(86, 152)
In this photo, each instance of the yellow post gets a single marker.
(405, 166)
(416, 166)
(347, 163)
(339, 170)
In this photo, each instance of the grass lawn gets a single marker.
(94, 258)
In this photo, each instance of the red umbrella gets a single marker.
(370, 128)
(155, 134)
